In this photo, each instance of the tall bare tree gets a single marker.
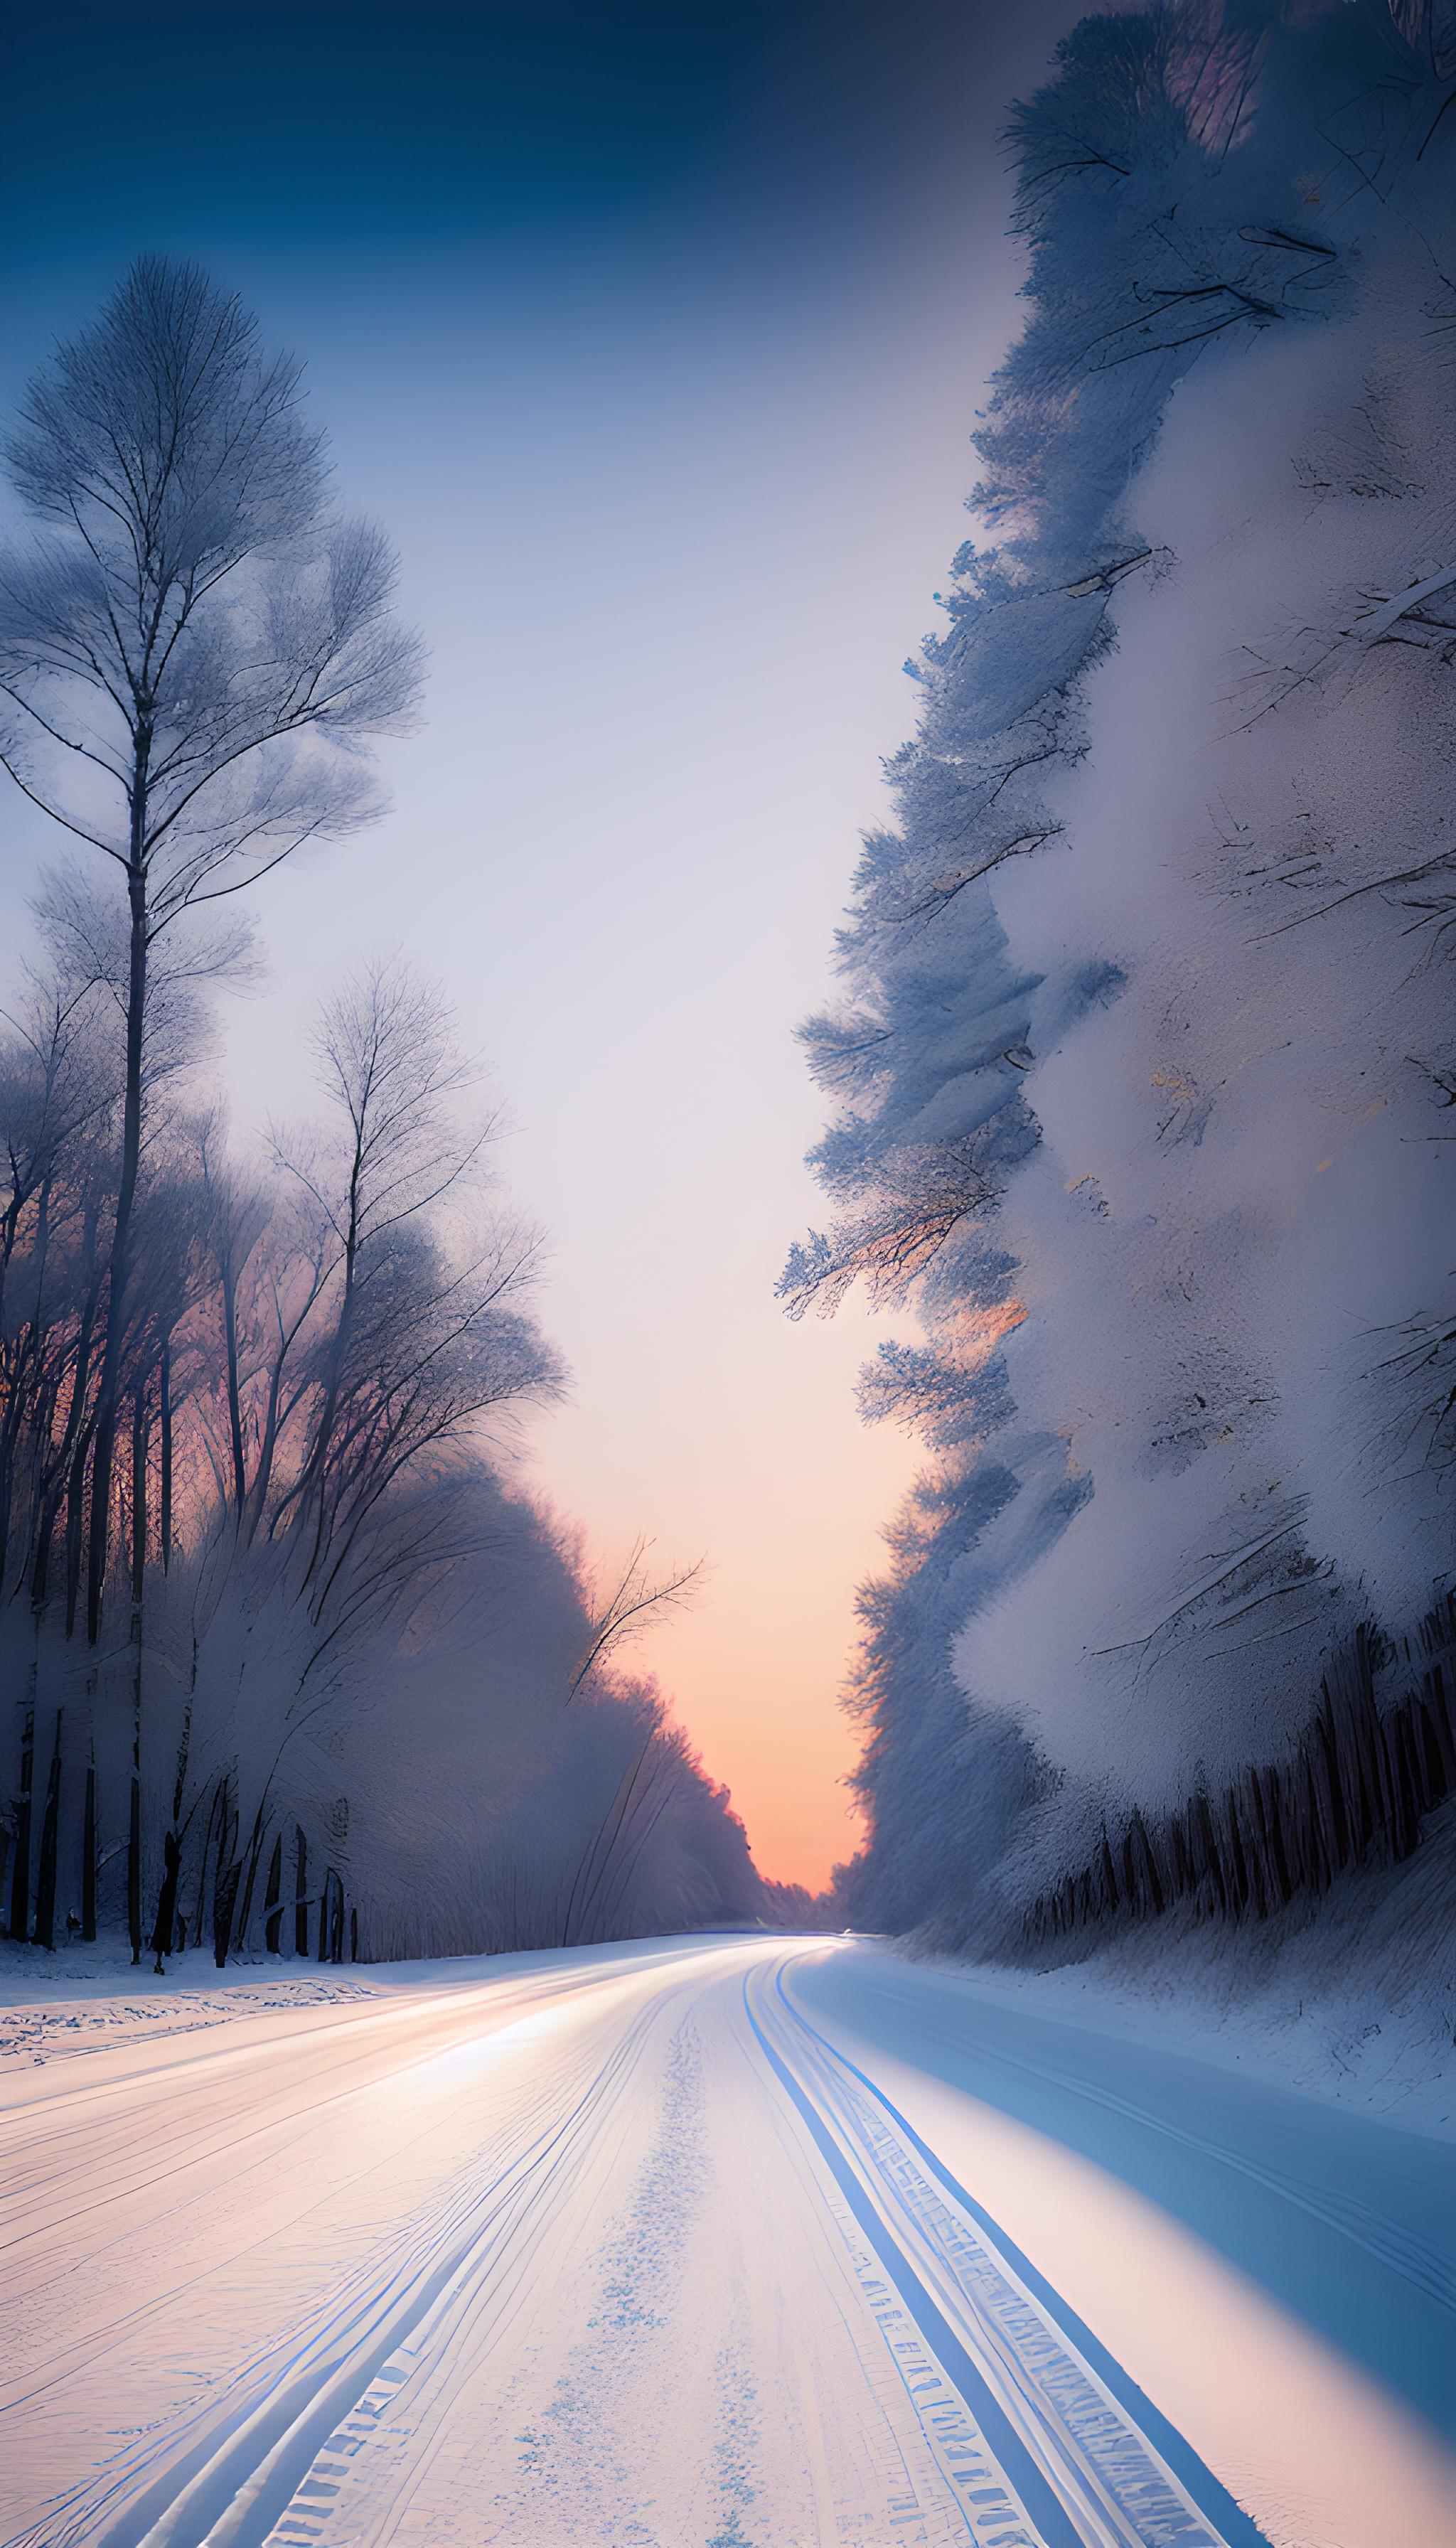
(192, 649)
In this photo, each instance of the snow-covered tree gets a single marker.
(1144, 1082)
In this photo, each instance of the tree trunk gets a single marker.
(139, 1430)
(44, 1931)
(273, 1905)
(254, 1856)
(234, 1403)
(88, 1851)
(20, 1887)
(109, 1389)
(300, 1893)
(75, 1516)
(224, 1901)
(201, 1873)
(167, 1908)
(225, 1878)
(164, 1514)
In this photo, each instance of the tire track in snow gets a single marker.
(222, 2475)
(1367, 2227)
(576, 2457)
(1001, 2423)
(1075, 2446)
(573, 2470)
(590, 2472)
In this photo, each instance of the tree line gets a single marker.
(252, 1406)
(1167, 1616)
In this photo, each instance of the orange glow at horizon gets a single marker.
(754, 1671)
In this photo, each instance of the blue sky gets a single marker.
(654, 335)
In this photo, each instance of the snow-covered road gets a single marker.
(702, 2244)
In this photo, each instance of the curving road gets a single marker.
(704, 2243)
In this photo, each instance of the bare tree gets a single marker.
(189, 651)
(316, 1367)
(368, 1334)
(415, 1340)
(621, 1606)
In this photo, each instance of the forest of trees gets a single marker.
(288, 1665)
(1144, 1077)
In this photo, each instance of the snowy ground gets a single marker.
(1353, 1998)
(1330, 2035)
(737, 2242)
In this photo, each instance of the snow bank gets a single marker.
(1356, 2005)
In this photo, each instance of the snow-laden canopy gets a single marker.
(1146, 1078)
